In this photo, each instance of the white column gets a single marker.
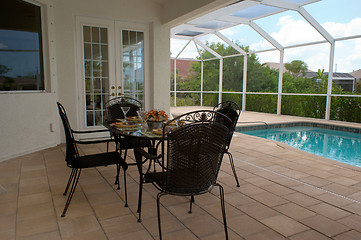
(329, 85)
(175, 82)
(244, 87)
(280, 83)
(220, 89)
(202, 83)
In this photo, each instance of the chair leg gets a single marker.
(69, 181)
(159, 195)
(190, 204)
(72, 190)
(223, 207)
(125, 189)
(117, 177)
(140, 197)
(233, 168)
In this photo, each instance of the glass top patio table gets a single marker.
(134, 130)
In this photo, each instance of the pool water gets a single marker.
(337, 145)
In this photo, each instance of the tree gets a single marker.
(4, 69)
(296, 67)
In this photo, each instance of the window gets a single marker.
(21, 53)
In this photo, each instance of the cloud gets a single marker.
(3, 46)
(292, 32)
(343, 29)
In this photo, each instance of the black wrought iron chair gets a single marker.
(190, 158)
(231, 110)
(115, 112)
(77, 162)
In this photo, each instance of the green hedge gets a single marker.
(261, 103)
(346, 109)
(304, 106)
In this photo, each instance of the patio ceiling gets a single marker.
(243, 13)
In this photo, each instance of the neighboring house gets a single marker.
(357, 75)
(345, 80)
(182, 67)
(274, 65)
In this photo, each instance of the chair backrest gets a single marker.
(195, 151)
(71, 149)
(231, 110)
(114, 105)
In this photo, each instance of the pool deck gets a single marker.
(284, 193)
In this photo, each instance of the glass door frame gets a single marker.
(115, 62)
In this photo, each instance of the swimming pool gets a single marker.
(321, 140)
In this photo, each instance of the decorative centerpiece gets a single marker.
(155, 118)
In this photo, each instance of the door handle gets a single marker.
(120, 94)
(113, 94)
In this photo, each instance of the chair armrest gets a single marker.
(91, 131)
(92, 141)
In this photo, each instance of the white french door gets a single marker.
(112, 64)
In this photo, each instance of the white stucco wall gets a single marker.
(25, 117)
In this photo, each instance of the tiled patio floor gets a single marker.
(284, 194)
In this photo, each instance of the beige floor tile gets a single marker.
(329, 211)
(284, 225)
(340, 189)
(237, 199)
(324, 225)
(351, 235)
(308, 190)
(36, 226)
(245, 225)
(268, 234)
(278, 189)
(92, 235)
(203, 225)
(310, 234)
(169, 223)
(249, 189)
(315, 181)
(219, 235)
(334, 199)
(294, 211)
(72, 227)
(122, 225)
(258, 210)
(42, 236)
(7, 234)
(352, 221)
(112, 210)
(353, 208)
(139, 235)
(302, 199)
(33, 199)
(269, 199)
(215, 211)
(180, 235)
(7, 222)
(35, 211)
(8, 208)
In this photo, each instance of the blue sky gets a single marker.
(341, 18)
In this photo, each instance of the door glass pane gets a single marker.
(95, 47)
(133, 64)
